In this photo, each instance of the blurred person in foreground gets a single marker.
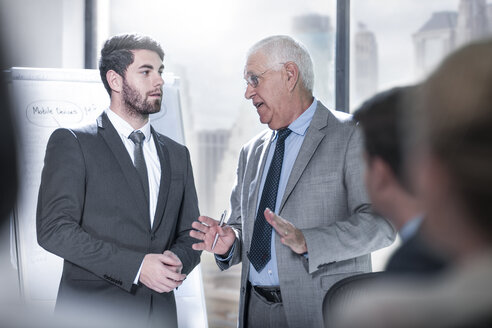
(9, 298)
(117, 199)
(307, 168)
(8, 151)
(452, 153)
(381, 121)
(14, 312)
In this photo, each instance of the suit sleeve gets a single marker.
(362, 232)
(187, 214)
(235, 219)
(59, 213)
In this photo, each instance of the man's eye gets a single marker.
(254, 80)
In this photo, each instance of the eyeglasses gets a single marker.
(253, 79)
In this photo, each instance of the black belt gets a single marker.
(271, 294)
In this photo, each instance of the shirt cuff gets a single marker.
(229, 256)
(135, 282)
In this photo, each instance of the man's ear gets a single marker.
(115, 81)
(383, 176)
(292, 72)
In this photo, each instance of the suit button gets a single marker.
(152, 236)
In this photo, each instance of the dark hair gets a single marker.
(116, 53)
(380, 119)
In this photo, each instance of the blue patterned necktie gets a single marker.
(139, 160)
(260, 252)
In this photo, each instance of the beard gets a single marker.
(136, 104)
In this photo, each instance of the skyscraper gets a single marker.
(434, 40)
(489, 16)
(210, 146)
(472, 21)
(447, 30)
(316, 33)
(366, 63)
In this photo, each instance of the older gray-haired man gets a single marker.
(308, 169)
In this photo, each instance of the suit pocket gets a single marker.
(321, 180)
(177, 184)
(319, 194)
(329, 280)
(337, 271)
(177, 179)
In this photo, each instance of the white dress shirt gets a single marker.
(151, 161)
(150, 154)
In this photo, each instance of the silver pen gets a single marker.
(221, 222)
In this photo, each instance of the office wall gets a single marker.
(43, 33)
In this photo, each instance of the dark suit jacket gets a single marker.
(415, 257)
(92, 212)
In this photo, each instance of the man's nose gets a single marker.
(159, 82)
(250, 92)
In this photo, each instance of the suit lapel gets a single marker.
(165, 182)
(310, 144)
(110, 135)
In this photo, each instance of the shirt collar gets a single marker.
(301, 124)
(411, 227)
(124, 128)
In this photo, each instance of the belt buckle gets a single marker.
(271, 295)
(276, 296)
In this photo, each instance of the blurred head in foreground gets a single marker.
(448, 146)
(452, 147)
(387, 186)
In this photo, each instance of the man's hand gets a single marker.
(290, 235)
(206, 228)
(162, 272)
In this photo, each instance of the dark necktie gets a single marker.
(260, 252)
(138, 137)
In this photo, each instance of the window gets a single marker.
(205, 44)
(396, 43)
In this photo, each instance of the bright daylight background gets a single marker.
(393, 42)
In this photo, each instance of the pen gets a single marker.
(221, 222)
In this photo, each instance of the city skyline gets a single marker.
(446, 31)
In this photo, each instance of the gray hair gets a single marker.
(282, 49)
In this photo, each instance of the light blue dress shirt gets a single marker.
(409, 229)
(269, 275)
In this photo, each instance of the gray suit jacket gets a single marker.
(325, 197)
(92, 212)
